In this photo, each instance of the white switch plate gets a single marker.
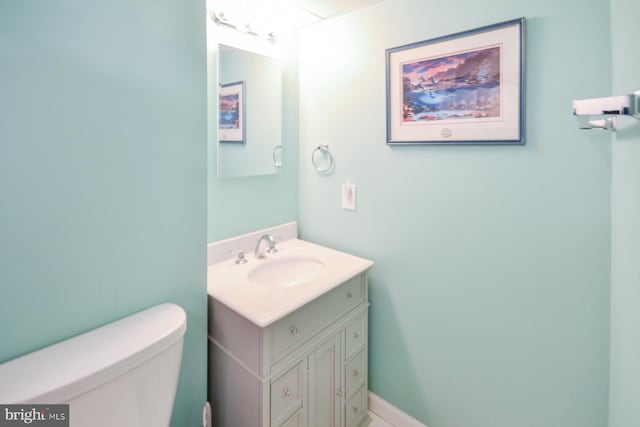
(348, 196)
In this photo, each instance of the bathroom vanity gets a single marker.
(288, 339)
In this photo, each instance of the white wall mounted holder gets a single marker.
(602, 111)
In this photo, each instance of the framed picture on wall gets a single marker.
(231, 118)
(463, 88)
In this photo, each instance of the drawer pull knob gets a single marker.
(286, 392)
(293, 330)
(355, 373)
(349, 294)
(355, 409)
(355, 336)
(339, 393)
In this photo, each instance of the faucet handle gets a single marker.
(272, 247)
(241, 258)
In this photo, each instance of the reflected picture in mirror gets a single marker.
(231, 112)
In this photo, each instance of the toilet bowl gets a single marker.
(122, 374)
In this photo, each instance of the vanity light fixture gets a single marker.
(221, 19)
(267, 20)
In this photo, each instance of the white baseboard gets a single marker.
(390, 413)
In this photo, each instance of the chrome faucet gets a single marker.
(259, 252)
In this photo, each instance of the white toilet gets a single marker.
(123, 374)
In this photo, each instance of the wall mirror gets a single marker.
(249, 113)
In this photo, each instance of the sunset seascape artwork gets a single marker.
(465, 88)
(229, 111)
(459, 87)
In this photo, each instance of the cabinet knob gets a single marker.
(355, 409)
(286, 392)
(355, 373)
(293, 330)
(339, 393)
(355, 336)
(349, 294)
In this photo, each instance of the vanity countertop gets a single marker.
(263, 305)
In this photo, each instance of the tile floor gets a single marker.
(377, 421)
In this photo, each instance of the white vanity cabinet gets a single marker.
(307, 369)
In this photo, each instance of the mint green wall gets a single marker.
(240, 205)
(103, 172)
(625, 286)
(490, 293)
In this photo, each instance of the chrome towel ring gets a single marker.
(277, 156)
(323, 149)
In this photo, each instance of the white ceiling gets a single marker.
(329, 8)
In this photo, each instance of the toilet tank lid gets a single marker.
(61, 371)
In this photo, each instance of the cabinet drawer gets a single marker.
(287, 394)
(354, 374)
(355, 336)
(300, 325)
(297, 420)
(355, 409)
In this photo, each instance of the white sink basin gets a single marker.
(286, 272)
(267, 289)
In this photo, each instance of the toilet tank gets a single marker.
(122, 374)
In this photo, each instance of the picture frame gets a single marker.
(464, 88)
(231, 112)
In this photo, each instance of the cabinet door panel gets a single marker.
(288, 394)
(324, 385)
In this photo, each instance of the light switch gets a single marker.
(348, 196)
